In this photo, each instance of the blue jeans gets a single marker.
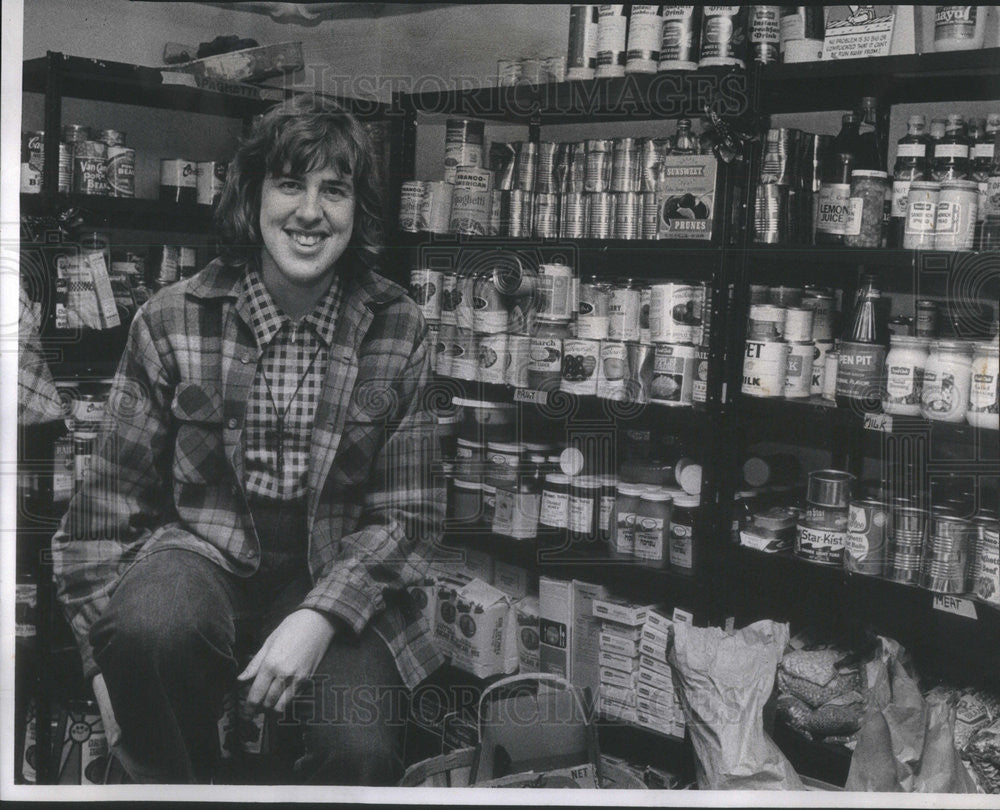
(179, 629)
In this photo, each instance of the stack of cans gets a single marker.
(908, 530)
(946, 554)
(984, 576)
(789, 181)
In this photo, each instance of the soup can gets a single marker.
(90, 168)
(492, 358)
(579, 366)
(765, 368)
(865, 546)
(612, 373)
(555, 288)
(592, 309)
(673, 374)
(425, 289)
(121, 171)
(411, 194)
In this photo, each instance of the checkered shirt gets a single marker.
(288, 350)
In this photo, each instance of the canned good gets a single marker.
(90, 168)
(765, 368)
(699, 388)
(65, 168)
(785, 296)
(640, 369)
(921, 214)
(518, 360)
(599, 165)
(121, 171)
(987, 584)
(83, 744)
(675, 312)
(623, 311)
(823, 546)
(75, 133)
(650, 217)
(865, 545)
(955, 218)
(829, 489)
(799, 375)
(645, 299)
(546, 215)
(673, 374)
(612, 374)
(32, 160)
(767, 322)
(600, 215)
(492, 358)
(449, 297)
(592, 309)
(626, 215)
(411, 196)
(211, 181)
(573, 215)
(463, 146)
(799, 324)
(111, 137)
(471, 200)
(624, 165)
(170, 264)
(926, 322)
(579, 366)
(425, 289)
(818, 377)
(178, 181)
(84, 442)
(465, 362)
(830, 367)
(527, 166)
(555, 292)
(489, 315)
(546, 351)
(517, 213)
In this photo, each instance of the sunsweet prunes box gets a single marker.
(686, 197)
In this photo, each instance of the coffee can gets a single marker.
(435, 207)
(463, 146)
(598, 165)
(600, 215)
(411, 195)
(425, 289)
(90, 168)
(178, 181)
(573, 215)
(546, 215)
(799, 375)
(626, 215)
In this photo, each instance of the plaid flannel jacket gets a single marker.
(168, 469)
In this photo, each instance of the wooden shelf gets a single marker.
(123, 212)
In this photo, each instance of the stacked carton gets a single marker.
(618, 657)
(657, 705)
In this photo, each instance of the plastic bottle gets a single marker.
(911, 164)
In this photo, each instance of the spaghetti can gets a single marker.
(121, 171)
(32, 160)
(681, 36)
(765, 368)
(546, 215)
(463, 146)
(673, 374)
(624, 304)
(471, 200)
(425, 289)
(555, 292)
(798, 324)
(600, 215)
(489, 315)
(178, 181)
(581, 53)
(492, 358)
(435, 207)
(723, 36)
(579, 366)
(573, 215)
(799, 373)
(90, 168)
(821, 348)
(644, 35)
(612, 32)
(626, 215)
(599, 157)
(411, 194)
(592, 309)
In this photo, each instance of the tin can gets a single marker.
(531, 70)
(121, 171)
(554, 69)
(527, 166)
(770, 218)
(65, 168)
(865, 548)
(463, 146)
(599, 165)
(581, 55)
(831, 364)
(650, 227)
(784, 296)
(425, 289)
(644, 37)
(90, 168)
(170, 264)
(447, 348)
(471, 200)
(652, 153)
(435, 207)
(579, 366)
(612, 32)
(641, 359)
(699, 387)
(624, 303)
(818, 377)
(508, 72)
(573, 215)
(673, 374)
(823, 546)
(821, 303)
(555, 292)
(515, 213)
(492, 358)
(489, 315)
(83, 745)
(411, 195)
(765, 34)
(465, 361)
(496, 209)
(645, 300)
(546, 178)
(75, 133)
(518, 359)
(681, 36)
(592, 309)
(111, 137)
(675, 311)
(626, 215)
(901, 325)
(449, 297)
(463, 296)
(211, 181)
(32, 160)
(799, 375)
(612, 373)
(926, 321)
(987, 584)
(798, 324)
(546, 353)
(434, 344)
(921, 215)
(723, 36)
(84, 442)
(955, 218)
(624, 165)
(765, 368)
(178, 181)
(767, 322)
(600, 215)
(546, 216)
(574, 162)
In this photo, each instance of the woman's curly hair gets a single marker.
(301, 135)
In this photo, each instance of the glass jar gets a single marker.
(984, 409)
(546, 352)
(652, 528)
(947, 380)
(554, 509)
(489, 503)
(866, 207)
(517, 507)
(904, 371)
(583, 516)
(621, 544)
(466, 501)
(503, 459)
(683, 554)
(921, 213)
(955, 219)
(607, 494)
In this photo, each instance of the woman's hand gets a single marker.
(289, 656)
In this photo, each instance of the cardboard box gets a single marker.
(511, 579)
(648, 648)
(484, 641)
(615, 677)
(616, 711)
(620, 611)
(656, 664)
(569, 632)
(651, 693)
(654, 679)
(446, 591)
(681, 616)
(626, 697)
(478, 565)
(654, 723)
(621, 631)
(617, 645)
(661, 709)
(256, 63)
(526, 618)
(424, 597)
(686, 197)
(657, 620)
(624, 663)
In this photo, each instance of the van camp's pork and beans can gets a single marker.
(90, 168)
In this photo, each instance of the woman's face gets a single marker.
(306, 223)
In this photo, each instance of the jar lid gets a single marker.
(608, 480)
(557, 478)
(969, 185)
(686, 500)
(954, 346)
(909, 340)
(571, 461)
(870, 173)
(627, 488)
(926, 185)
(659, 495)
(470, 485)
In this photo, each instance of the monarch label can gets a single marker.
(865, 544)
(492, 358)
(555, 288)
(673, 374)
(463, 146)
(411, 195)
(765, 368)
(121, 171)
(471, 200)
(90, 168)
(32, 157)
(425, 289)
(799, 375)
